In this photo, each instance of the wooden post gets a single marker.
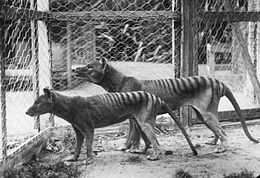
(193, 62)
(69, 53)
(187, 50)
(245, 53)
(251, 42)
(44, 47)
(3, 132)
(177, 38)
(173, 40)
(43, 50)
(258, 43)
(188, 31)
(35, 67)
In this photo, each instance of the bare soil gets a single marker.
(241, 155)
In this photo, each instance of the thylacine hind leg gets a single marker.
(133, 136)
(146, 141)
(211, 121)
(213, 124)
(147, 125)
(212, 113)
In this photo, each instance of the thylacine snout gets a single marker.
(30, 112)
(42, 105)
(80, 71)
(35, 111)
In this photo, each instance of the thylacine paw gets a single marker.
(71, 158)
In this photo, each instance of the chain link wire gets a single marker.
(20, 85)
(134, 30)
(81, 31)
(78, 32)
(218, 52)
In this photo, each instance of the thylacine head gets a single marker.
(42, 105)
(93, 72)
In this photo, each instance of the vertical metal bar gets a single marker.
(35, 66)
(178, 37)
(258, 43)
(51, 118)
(44, 58)
(69, 53)
(3, 131)
(195, 39)
(173, 40)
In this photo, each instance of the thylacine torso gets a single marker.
(87, 113)
(177, 92)
(201, 93)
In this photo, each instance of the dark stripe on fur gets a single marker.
(192, 88)
(196, 79)
(173, 85)
(184, 85)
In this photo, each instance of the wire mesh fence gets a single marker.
(17, 85)
(40, 49)
(44, 40)
(82, 31)
(22, 36)
(218, 51)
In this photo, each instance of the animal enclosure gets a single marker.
(42, 41)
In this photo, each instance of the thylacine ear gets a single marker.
(103, 61)
(48, 93)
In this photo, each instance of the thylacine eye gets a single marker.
(89, 67)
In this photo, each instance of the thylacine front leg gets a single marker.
(89, 135)
(77, 148)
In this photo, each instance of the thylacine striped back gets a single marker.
(186, 85)
(136, 98)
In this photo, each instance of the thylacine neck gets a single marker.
(62, 106)
(112, 80)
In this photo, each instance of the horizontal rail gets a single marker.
(248, 114)
(25, 151)
(18, 72)
(114, 14)
(10, 12)
(228, 16)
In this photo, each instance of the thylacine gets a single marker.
(87, 113)
(199, 92)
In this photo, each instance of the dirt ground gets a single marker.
(110, 163)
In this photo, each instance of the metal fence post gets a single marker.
(173, 40)
(3, 132)
(35, 67)
(44, 57)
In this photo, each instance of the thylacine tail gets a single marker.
(167, 109)
(232, 99)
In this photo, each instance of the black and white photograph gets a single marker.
(129, 88)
